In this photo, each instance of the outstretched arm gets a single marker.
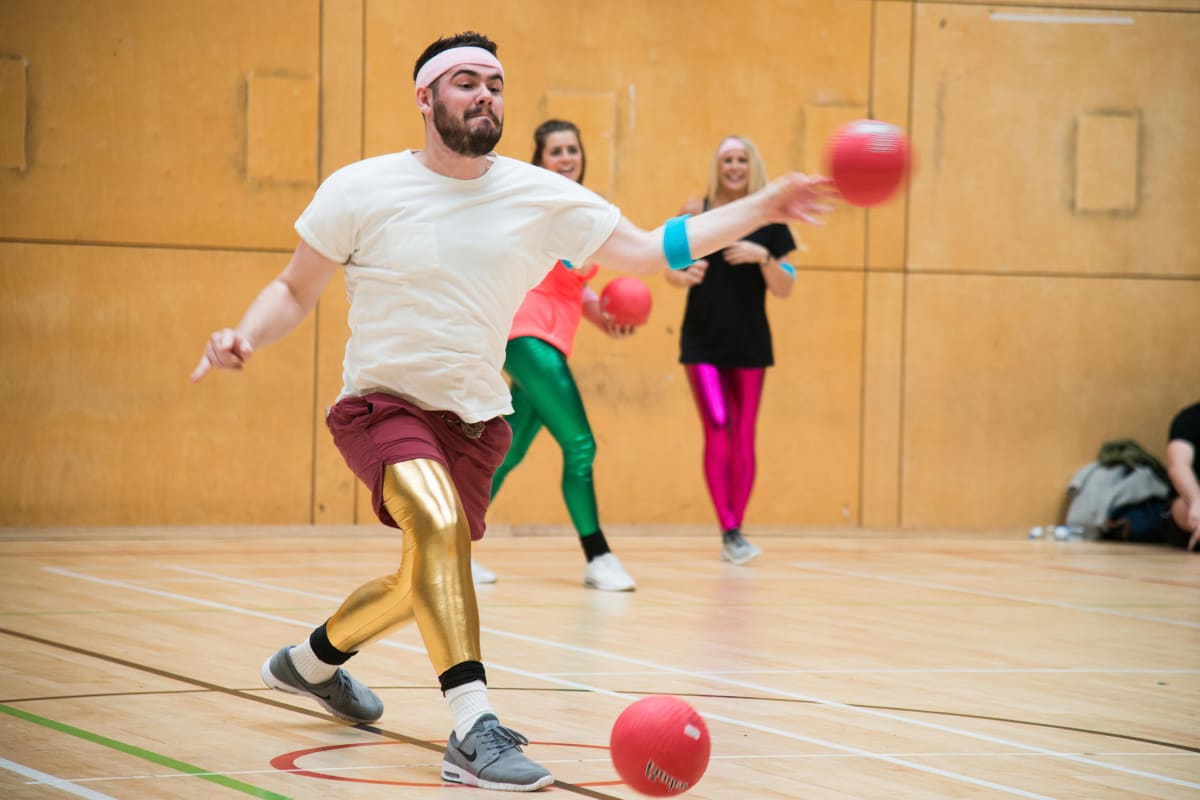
(791, 198)
(279, 308)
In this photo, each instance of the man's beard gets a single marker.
(463, 139)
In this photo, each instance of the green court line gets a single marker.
(147, 755)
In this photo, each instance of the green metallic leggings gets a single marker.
(544, 393)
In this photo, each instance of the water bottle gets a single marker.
(1059, 533)
(1064, 532)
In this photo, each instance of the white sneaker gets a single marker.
(481, 574)
(606, 574)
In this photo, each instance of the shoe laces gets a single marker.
(344, 684)
(497, 738)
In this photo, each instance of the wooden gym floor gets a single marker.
(841, 665)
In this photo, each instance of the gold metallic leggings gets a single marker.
(433, 582)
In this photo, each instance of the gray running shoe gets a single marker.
(736, 549)
(341, 695)
(490, 757)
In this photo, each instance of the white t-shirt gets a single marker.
(437, 267)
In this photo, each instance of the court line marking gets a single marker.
(949, 587)
(142, 753)
(548, 679)
(259, 696)
(46, 779)
(660, 668)
(584, 760)
(673, 670)
(913, 671)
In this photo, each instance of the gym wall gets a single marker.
(946, 361)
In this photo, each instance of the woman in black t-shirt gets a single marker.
(725, 342)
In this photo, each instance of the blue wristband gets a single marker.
(788, 268)
(675, 243)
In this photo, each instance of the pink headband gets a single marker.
(730, 143)
(447, 60)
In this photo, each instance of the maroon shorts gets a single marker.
(379, 429)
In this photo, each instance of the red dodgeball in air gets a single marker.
(867, 160)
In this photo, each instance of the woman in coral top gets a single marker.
(544, 392)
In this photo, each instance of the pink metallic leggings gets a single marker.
(728, 399)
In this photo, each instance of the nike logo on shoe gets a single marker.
(469, 756)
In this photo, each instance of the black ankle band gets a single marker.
(594, 545)
(318, 640)
(463, 672)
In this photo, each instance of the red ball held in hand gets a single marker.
(626, 300)
(867, 161)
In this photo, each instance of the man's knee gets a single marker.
(421, 499)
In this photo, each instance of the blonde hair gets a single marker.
(758, 171)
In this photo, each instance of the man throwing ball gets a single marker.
(438, 247)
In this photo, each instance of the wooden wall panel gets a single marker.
(101, 425)
(675, 97)
(281, 129)
(596, 113)
(14, 111)
(1012, 383)
(840, 241)
(891, 77)
(335, 487)
(995, 103)
(1022, 6)
(809, 434)
(883, 372)
(138, 123)
(1106, 162)
(878, 412)
(680, 83)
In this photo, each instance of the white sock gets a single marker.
(468, 703)
(311, 668)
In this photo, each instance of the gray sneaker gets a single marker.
(736, 549)
(490, 757)
(341, 695)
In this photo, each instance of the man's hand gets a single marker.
(799, 197)
(227, 349)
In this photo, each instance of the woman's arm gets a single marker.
(780, 281)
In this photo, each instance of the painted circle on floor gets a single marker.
(289, 762)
